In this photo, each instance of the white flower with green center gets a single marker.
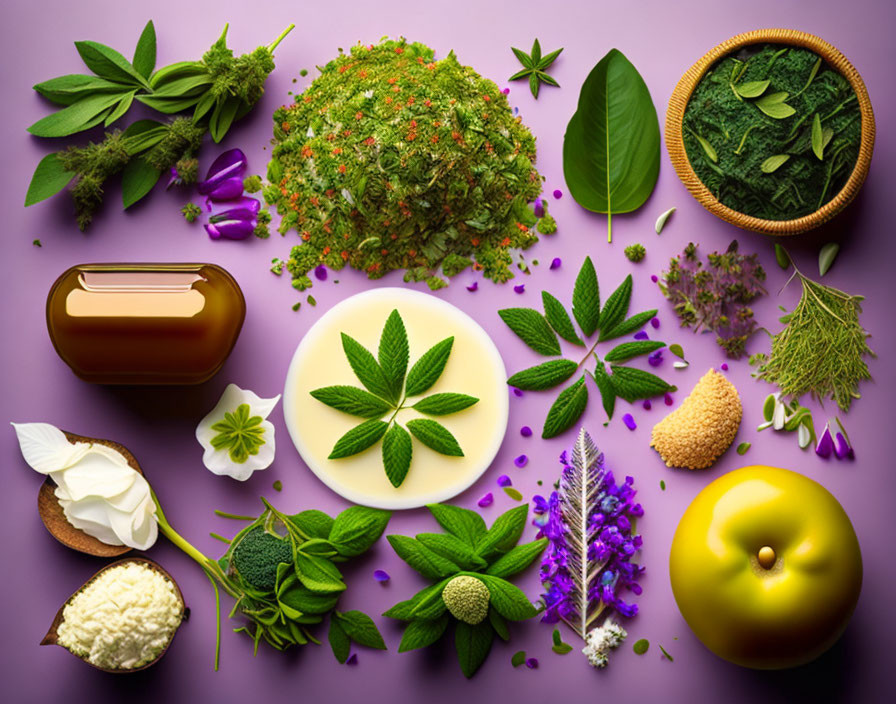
(237, 437)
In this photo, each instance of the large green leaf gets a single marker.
(611, 150)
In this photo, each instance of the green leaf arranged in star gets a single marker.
(239, 433)
(535, 67)
(610, 322)
(388, 388)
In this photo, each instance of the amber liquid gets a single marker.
(145, 323)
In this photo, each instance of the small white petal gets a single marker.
(803, 436)
(45, 447)
(778, 419)
(98, 474)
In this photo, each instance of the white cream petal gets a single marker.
(98, 475)
(134, 498)
(45, 447)
(92, 517)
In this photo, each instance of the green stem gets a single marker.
(280, 38)
(609, 226)
(217, 618)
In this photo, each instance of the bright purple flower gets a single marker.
(641, 335)
(724, 367)
(521, 461)
(558, 194)
(629, 421)
(230, 164)
(538, 208)
(555, 263)
(381, 576)
(486, 500)
(825, 445)
(655, 358)
(655, 322)
(320, 272)
(647, 406)
(668, 399)
(526, 431)
(352, 659)
(473, 286)
(519, 288)
(504, 480)
(540, 505)
(532, 663)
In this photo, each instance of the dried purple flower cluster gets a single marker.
(716, 296)
(610, 544)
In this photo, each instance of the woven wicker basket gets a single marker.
(675, 144)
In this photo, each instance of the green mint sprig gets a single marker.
(388, 388)
(535, 66)
(469, 566)
(610, 322)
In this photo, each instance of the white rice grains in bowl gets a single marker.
(123, 619)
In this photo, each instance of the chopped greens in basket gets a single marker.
(389, 388)
(391, 159)
(773, 131)
(612, 377)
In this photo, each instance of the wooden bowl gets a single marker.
(52, 636)
(692, 77)
(55, 521)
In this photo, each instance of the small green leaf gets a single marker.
(517, 559)
(586, 298)
(222, 117)
(531, 327)
(504, 533)
(669, 657)
(318, 574)
(78, 116)
(107, 63)
(356, 529)
(640, 647)
(513, 493)
(567, 409)
(143, 134)
(460, 522)
(662, 485)
(535, 54)
(393, 354)
(534, 84)
(743, 447)
(453, 548)
(314, 524)
(365, 367)
(616, 307)
(145, 54)
(508, 600)
(708, 149)
(499, 623)
(522, 57)
(49, 178)
(339, 641)
(630, 350)
(812, 74)
(352, 400)
(519, 658)
(781, 256)
(558, 318)
(397, 453)
(548, 59)
(359, 439)
(826, 257)
(435, 436)
(817, 137)
(751, 89)
(361, 629)
(431, 565)
(65, 90)
(419, 634)
(628, 326)
(555, 637)
(773, 163)
(137, 180)
(605, 386)
(633, 384)
(444, 404)
(427, 370)
(562, 648)
(473, 644)
(774, 106)
(677, 350)
(543, 376)
(123, 106)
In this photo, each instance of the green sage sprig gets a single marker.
(598, 324)
(389, 389)
(535, 67)
(469, 566)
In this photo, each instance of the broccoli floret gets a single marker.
(256, 556)
(252, 184)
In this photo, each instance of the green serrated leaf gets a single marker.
(427, 370)
(357, 528)
(517, 559)
(352, 400)
(558, 318)
(318, 574)
(145, 54)
(504, 533)
(435, 436)
(49, 178)
(543, 376)
(499, 623)
(616, 307)
(630, 350)
(339, 641)
(453, 548)
(404, 610)
(419, 634)
(365, 367)
(359, 439)
(314, 524)
(473, 644)
(393, 354)
(634, 384)
(531, 327)
(421, 558)
(361, 629)
(137, 180)
(605, 386)
(628, 326)
(508, 600)
(567, 409)
(460, 522)
(586, 298)
(397, 453)
(444, 404)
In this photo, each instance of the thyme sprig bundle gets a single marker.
(821, 350)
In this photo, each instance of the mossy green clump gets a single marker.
(256, 556)
(773, 132)
(635, 252)
(392, 160)
(467, 599)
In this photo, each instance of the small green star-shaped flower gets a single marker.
(239, 433)
(535, 66)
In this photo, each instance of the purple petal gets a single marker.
(320, 272)
(641, 335)
(506, 91)
(517, 392)
(655, 322)
(668, 399)
(486, 500)
(724, 367)
(228, 189)
(231, 163)
(538, 208)
(352, 659)
(520, 288)
(825, 445)
(558, 194)
(646, 404)
(381, 576)
(504, 480)
(843, 449)
(629, 421)
(230, 229)
(555, 264)
(655, 358)
(526, 431)
(473, 286)
(234, 208)
(654, 278)
(173, 177)
(521, 461)
(532, 663)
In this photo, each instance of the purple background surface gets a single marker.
(662, 39)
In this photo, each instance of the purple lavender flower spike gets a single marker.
(825, 445)
(230, 164)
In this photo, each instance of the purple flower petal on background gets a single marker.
(230, 164)
(517, 392)
(558, 194)
(521, 461)
(486, 500)
(538, 208)
(230, 229)
(506, 91)
(825, 445)
(504, 480)
(668, 399)
(655, 358)
(629, 421)
(843, 449)
(532, 663)
(654, 278)
(526, 431)
(655, 322)
(228, 189)
(246, 204)
(519, 288)
(381, 576)
(516, 111)
(647, 404)
(641, 335)
(556, 262)
(473, 286)
(724, 367)
(320, 272)
(352, 659)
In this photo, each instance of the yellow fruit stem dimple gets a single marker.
(766, 557)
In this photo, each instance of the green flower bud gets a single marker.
(467, 599)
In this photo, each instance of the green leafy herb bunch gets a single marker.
(390, 387)
(470, 566)
(216, 90)
(540, 332)
(393, 160)
(282, 572)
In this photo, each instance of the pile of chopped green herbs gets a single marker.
(773, 132)
(391, 160)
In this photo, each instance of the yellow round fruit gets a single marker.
(766, 568)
